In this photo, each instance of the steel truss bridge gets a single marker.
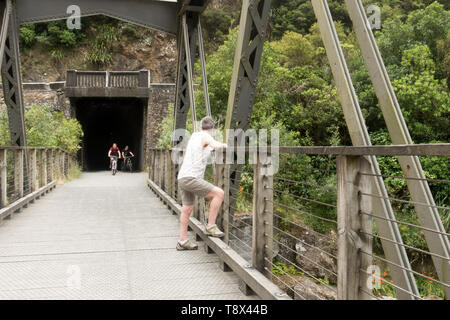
(182, 18)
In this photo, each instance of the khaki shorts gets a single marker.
(191, 187)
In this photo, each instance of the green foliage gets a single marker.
(45, 128)
(280, 269)
(55, 34)
(68, 133)
(424, 99)
(130, 30)
(75, 172)
(295, 50)
(27, 35)
(216, 24)
(101, 51)
(4, 127)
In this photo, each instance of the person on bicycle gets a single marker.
(113, 152)
(126, 154)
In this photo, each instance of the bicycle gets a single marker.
(114, 165)
(128, 163)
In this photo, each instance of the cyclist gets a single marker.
(126, 154)
(113, 152)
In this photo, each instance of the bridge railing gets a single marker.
(26, 173)
(309, 227)
(108, 79)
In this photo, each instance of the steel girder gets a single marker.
(12, 79)
(5, 8)
(188, 36)
(398, 130)
(154, 14)
(360, 137)
(247, 60)
(252, 34)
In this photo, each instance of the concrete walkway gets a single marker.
(104, 237)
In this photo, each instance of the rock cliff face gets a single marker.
(152, 50)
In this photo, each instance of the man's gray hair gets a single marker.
(207, 123)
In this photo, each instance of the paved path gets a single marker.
(104, 237)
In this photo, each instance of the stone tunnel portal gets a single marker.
(110, 120)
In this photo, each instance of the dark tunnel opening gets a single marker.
(106, 121)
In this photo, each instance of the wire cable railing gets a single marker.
(24, 170)
(292, 226)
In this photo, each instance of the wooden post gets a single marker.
(18, 172)
(3, 178)
(169, 173)
(157, 168)
(262, 235)
(52, 165)
(219, 182)
(32, 169)
(173, 179)
(180, 162)
(150, 164)
(226, 204)
(42, 167)
(161, 169)
(69, 165)
(63, 164)
(59, 165)
(350, 183)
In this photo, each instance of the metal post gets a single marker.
(12, 81)
(262, 235)
(5, 9)
(186, 51)
(203, 65)
(398, 130)
(360, 137)
(189, 69)
(32, 169)
(252, 34)
(3, 178)
(351, 242)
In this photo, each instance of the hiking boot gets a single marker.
(214, 231)
(189, 245)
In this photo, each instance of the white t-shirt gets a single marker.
(195, 158)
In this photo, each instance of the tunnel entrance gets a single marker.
(110, 120)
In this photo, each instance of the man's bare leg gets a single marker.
(216, 195)
(186, 212)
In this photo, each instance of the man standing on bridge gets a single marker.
(191, 182)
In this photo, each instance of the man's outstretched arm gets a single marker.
(210, 141)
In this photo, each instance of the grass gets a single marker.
(74, 173)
